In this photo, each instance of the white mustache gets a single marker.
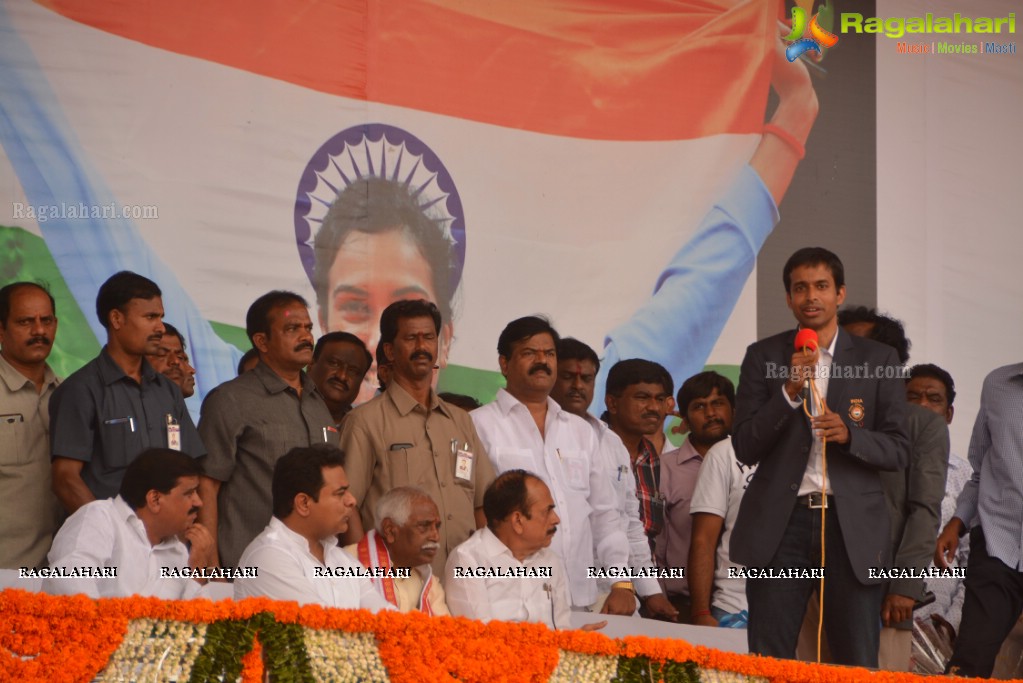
(430, 546)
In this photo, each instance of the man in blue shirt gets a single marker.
(989, 508)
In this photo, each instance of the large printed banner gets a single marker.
(544, 156)
(540, 157)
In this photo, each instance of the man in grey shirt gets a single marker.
(117, 405)
(249, 422)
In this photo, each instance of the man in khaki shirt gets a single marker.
(29, 511)
(407, 436)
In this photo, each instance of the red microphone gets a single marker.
(806, 340)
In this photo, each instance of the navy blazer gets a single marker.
(769, 432)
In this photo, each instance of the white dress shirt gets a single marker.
(614, 458)
(567, 460)
(108, 533)
(813, 477)
(286, 570)
(507, 598)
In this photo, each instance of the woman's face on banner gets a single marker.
(372, 271)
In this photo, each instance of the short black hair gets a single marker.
(814, 256)
(174, 332)
(404, 310)
(702, 385)
(257, 319)
(505, 495)
(338, 337)
(155, 469)
(300, 470)
(571, 348)
(521, 329)
(119, 289)
(935, 372)
(886, 329)
(463, 401)
(625, 373)
(246, 357)
(8, 292)
(375, 205)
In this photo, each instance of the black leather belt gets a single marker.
(816, 500)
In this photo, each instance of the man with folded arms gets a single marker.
(407, 535)
(297, 556)
(521, 522)
(124, 545)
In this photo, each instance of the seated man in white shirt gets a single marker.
(407, 535)
(506, 570)
(297, 556)
(135, 543)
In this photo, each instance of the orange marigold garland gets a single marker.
(49, 638)
(55, 639)
(417, 648)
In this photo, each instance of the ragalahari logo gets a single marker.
(818, 27)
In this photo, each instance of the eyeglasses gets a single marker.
(335, 365)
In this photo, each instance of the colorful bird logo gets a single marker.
(819, 38)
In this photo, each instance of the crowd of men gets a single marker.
(807, 493)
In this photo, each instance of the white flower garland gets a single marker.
(156, 650)
(575, 666)
(338, 657)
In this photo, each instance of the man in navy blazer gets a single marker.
(858, 431)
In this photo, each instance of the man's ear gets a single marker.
(116, 319)
(515, 519)
(259, 340)
(154, 499)
(301, 504)
(502, 362)
(389, 530)
(389, 351)
(611, 403)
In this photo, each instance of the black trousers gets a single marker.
(852, 610)
(993, 603)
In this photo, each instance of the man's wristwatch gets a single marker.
(627, 585)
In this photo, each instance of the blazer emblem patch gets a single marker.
(857, 411)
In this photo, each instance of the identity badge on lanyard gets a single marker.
(463, 460)
(173, 433)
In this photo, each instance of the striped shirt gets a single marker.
(647, 468)
(992, 496)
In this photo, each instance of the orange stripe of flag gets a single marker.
(600, 69)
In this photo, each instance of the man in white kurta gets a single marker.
(523, 428)
(506, 571)
(297, 556)
(131, 544)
